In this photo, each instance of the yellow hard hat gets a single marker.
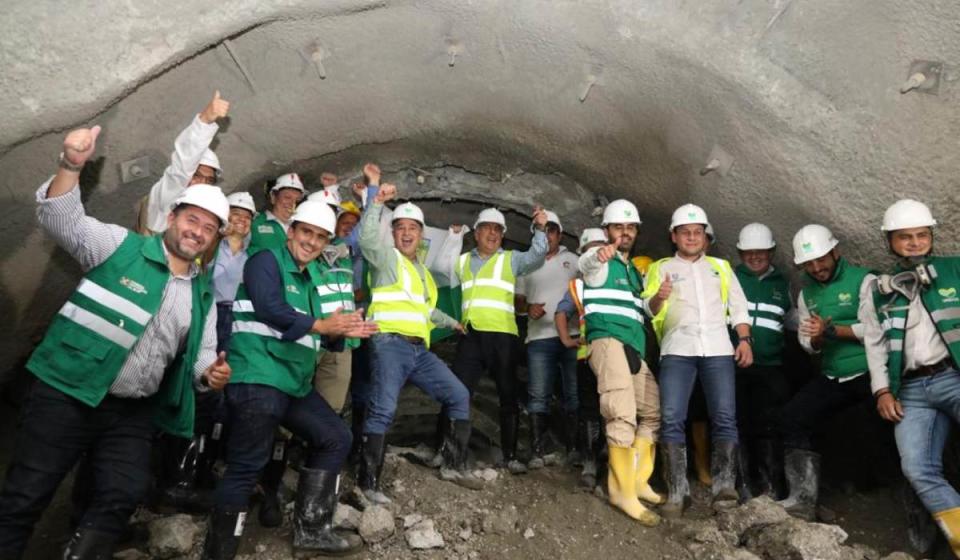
(350, 207)
(642, 262)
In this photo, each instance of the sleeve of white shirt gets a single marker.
(802, 315)
(521, 286)
(187, 151)
(865, 292)
(208, 348)
(737, 303)
(874, 341)
(594, 272)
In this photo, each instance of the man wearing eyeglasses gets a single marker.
(191, 163)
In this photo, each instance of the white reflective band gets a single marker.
(491, 282)
(395, 296)
(118, 303)
(337, 290)
(768, 324)
(766, 308)
(331, 306)
(243, 306)
(488, 303)
(951, 336)
(408, 316)
(98, 325)
(607, 293)
(896, 345)
(612, 310)
(498, 266)
(897, 323)
(941, 314)
(256, 327)
(299, 310)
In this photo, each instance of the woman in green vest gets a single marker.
(269, 229)
(912, 338)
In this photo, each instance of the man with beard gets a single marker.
(119, 360)
(691, 297)
(277, 327)
(912, 339)
(629, 400)
(827, 308)
(269, 229)
(488, 276)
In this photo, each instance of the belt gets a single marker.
(415, 340)
(932, 369)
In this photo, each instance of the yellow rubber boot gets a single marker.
(646, 458)
(622, 486)
(949, 521)
(701, 453)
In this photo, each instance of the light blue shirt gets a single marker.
(228, 270)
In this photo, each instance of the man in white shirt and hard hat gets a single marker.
(693, 297)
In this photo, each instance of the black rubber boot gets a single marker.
(313, 531)
(180, 490)
(509, 426)
(438, 439)
(456, 446)
(572, 443)
(90, 544)
(223, 534)
(744, 478)
(769, 468)
(591, 443)
(723, 471)
(270, 513)
(538, 428)
(357, 417)
(675, 474)
(802, 470)
(371, 467)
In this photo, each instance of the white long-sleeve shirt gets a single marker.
(922, 345)
(188, 148)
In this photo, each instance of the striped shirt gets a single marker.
(91, 242)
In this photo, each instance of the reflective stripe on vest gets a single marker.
(262, 329)
(487, 302)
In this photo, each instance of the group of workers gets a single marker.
(227, 329)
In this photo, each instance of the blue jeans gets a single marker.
(254, 412)
(930, 405)
(396, 360)
(545, 359)
(677, 377)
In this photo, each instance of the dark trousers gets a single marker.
(587, 395)
(224, 325)
(761, 392)
(816, 401)
(479, 352)
(54, 431)
(254, 412)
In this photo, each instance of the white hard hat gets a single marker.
(552, 218)
(288, 181)
(242, 200)
(620, 211)
(208, 197)
(591, 235)
(409, 211)
(316, 214)
(491, 216)
(210, 159)
(688, 214)
(812, 242)
(328, 195)
(710, 235)
(755, 237)
(907, 213)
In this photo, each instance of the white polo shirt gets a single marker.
(547, 285)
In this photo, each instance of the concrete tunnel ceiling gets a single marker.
(506, 102)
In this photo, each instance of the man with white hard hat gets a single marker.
(279, 328)
(763, 388)
(191, 163)
(404, 307)
(269, 229)
(629, 397)
(693, 297)
(487, 276)
(548, 359)
(827, 308)
(912, 338)
(119, 361)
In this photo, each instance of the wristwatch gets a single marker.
(65, 164)
(747, 339)
(830, 331)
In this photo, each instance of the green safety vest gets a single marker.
(941, 300)
(266, 234)
(839, 299)
(653, 280)
(404, 307)
(257, 353)
(768, 301)
(487, 302)
(91, 336)
(615, 310)
(335, 288)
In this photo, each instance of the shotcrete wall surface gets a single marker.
(510, 102)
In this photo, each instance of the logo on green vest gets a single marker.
(293, 289)
(265, 229)
(132, 285)
(845, 298)
(948, 294)
(807, 247)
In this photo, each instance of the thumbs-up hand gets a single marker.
(216, 109)
(607, 252)
(666, 288)
(218, 374)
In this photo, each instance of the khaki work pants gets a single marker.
(630, 404)
(332, 378)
